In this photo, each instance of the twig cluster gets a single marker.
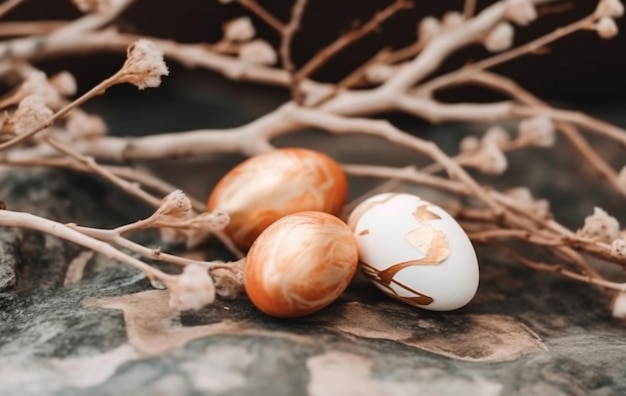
(42, 126)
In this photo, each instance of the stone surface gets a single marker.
(104, 331)
(110, 333)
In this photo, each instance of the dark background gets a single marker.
(579, 68)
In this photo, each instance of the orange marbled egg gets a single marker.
(300, 264)
(266, 187)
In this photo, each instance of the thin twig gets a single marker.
(347, 39)
(9, 5)
(262, 13)
(287, 35)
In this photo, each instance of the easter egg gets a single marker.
(269, 186)
(300, 264)
(415, 251)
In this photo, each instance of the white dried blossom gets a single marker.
(618, 305)
(194, 289)
(36, 83)
(379, 73)
(229, 280)
(97, 6)
(239, 30)
(525, 197)
(452, 19)
(31, 113)
(538, 131)
(428, 28)
(258, 52)
(175, 205)
(500, 38)
(618, 248)
(521, 12)
(469, 144)
(600, 226)
(621, 180)
(606, 28)
(610, 9)
(144, 65)
(491, 160)
(216, 220)
(497, 136)
(65, 83)
(85, 126)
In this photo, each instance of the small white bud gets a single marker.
(538, 131)
(36, 83)
(452, 19)
(194, 289)
(31, 113)
(610, 9)
(239, 30)
(606, 28)
(379, 73)
(428, 28)
(258, 52)
(500, 38)
(600, 227)
(175, 205)
(497, 136)
(491, 160)
(144, 65)
(85, 126)
(618, 248)
(469, 144)
(521, 12)
(618, 306)
(65, 83)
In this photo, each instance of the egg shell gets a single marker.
(415, 252)
(300, 264)
(269, 186)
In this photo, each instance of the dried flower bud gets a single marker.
(144, 65)
(85, 126)
(497, 136)
(31, 113)
(538, 131)
(618, 248)
(491, 160)
(239, 30)
(452, 19)
(175, 205)
(521, 12)
(258, 52)
(379, 73)
(469, 144)
(500, 38)
(37, 83)
(525, 197)
(600, 226)
(98, 6)
(229, 280)
(607, 28)
(618, 305)
(216, 220)
(610, 9)
(194, 289)
(428, 28)
(65, 83)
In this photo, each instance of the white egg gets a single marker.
(415, 251)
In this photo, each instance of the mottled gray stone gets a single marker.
(525, 333)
